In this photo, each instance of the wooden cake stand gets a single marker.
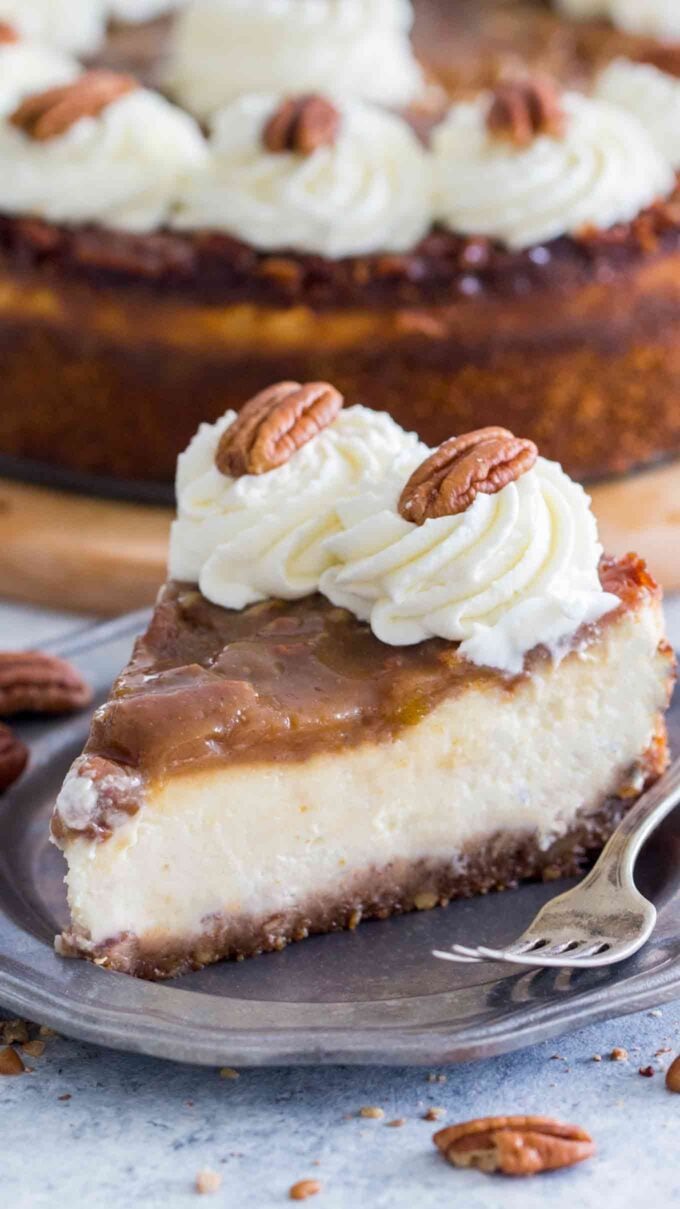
(74, 552)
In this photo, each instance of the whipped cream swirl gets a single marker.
(603, 170)
(354, 48)
(517, 569)
(650, 95)
(651, 18)
(28, 67)
(72, 25)
(368, 192)
(121, 169)
(136, 11)
(243, 540)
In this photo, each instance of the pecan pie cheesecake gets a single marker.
(378, 678)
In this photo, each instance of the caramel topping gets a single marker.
(274, 425)
(46, 115)
(302, 124)
(522, 109)
(8, 34)
(453, 476)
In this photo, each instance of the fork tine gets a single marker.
(463, 958)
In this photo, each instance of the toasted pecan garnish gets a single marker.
(13, 757)
(8, 34)
(453, 476)
(515, 1145)
(273, 425)
(302, 124)
(46, 115)
(522, 109)
(33, 682)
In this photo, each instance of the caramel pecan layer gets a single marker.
(13, 757)
(32, 682)
(449, 480)
(522, 109)
(302, 124)
(515, 1145)
(274, 424)
(8, 34)
(46, 115)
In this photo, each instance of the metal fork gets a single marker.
(605, 918)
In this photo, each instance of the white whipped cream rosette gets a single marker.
(602, 170)
(517, 569)
(123, 168)
(245, 539)
(368, 192)
(651, 18)
(29, 67)
(355, 48)
(652, 96)
(73, 25)
(135, 11)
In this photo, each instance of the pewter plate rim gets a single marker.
(200, 1019)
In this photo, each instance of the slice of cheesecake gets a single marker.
(262, 773)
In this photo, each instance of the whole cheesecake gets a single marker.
(379, 678)
(343, 254)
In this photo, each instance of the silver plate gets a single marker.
(372, 996)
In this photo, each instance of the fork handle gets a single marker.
(619, 855)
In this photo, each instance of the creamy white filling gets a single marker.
(73, 25)
(252, 841)
(142, 10)
(124, 168)
(653, 18)
(652, 96)
(353, 48)
(368, 192)
(603, 170)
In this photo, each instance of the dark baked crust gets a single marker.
(497, 863)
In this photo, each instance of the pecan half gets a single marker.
(522, 109)
(8, 34)
(46, 115)
(13, 757)
(302, 124)
(515, 1145)
(480, 462)
(673, 1075)
(274, 425)
(32, 682)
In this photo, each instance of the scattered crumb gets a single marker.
(597, 1057)
(304, 1189)
(557, 1057)
(188, 1104)
(434, 1114)
(228, 1072)
(47, 1032)
(10, 1062)
(396, 1123)
(665, 1049)
(618, 1054)
(14, 1031)
(647, 1071)
(208, 1182)
(375, 1114)
(656, 1012)
(66, 1096)
(434, 1078)
(36, 1048)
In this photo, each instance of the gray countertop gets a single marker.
(89, 1127)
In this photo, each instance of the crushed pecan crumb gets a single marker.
(396, 1123)
(673, 1075)
(372, 1113)
(228, 1072)
(450, 480)
(434, 1114)
(522, 109)
(647, 1071)
(302, 125)
(46, 115)
(274, 425)
(514, 1145)
(10, 1062)
(208, 1182)
(15, 1032)
(618, 1054)
(304, 1189)
(36, 683)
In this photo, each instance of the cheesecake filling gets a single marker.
(651, 18)
(600, 169)
(28, 67)
(652, 96)
(244, 841)
(354, 48)
(72, 25)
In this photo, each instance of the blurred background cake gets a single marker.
(512, 259)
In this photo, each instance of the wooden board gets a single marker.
(72, 552)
